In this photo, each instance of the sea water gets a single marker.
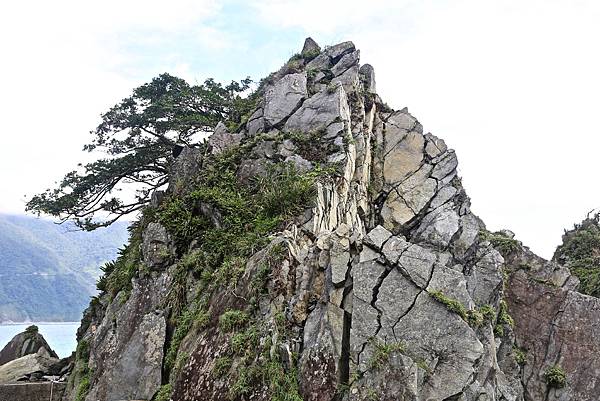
(60, 336)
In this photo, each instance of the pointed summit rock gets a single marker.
(310, 47)
(28, 342)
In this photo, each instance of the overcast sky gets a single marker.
(512, 86)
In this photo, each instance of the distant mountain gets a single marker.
(48, 271)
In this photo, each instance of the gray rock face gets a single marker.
(126, 347)
(156, 246)
(320, 111)
(137, 372)
(367, 76)
(387, 287)
(284, 97)
(221, 139)
(310, 46)
(185, 168)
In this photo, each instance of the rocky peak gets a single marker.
(28, 342)
(326, 250)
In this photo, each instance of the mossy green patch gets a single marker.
(555, 377)
(502, 243)
(164, 393)
(580, 252)
(233, 319)
(196, 316)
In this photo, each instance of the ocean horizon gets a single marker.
(59, 335)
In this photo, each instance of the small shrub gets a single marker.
(164, 393)
(311, 54)
(503, 316)
(503, 244)
(424, 366)
(246, 340)
(83, 388)
(474, 318)
(233, 319)
(82, 352)
(33, 329)
(580, 252)
(222, 366)
(555, 377)
(488, 312)
(241, 385)
(520, 355)
(382, 353)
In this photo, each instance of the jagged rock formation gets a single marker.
(384, 286)
(28, 342)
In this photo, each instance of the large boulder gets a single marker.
(284, 97)
(28, 342)
(22, 368)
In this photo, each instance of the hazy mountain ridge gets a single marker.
(48, 271)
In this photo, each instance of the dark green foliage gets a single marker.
(245, 341)
(221, 366)
(83, 388)
(33, 329)
(503, 316)
(284, 192)
(196, 316)
(520, 355)
(139, 136)
(82, 374)
(488, 312)
(164, 393)
(580, 252)
(118, 273)
(503, 319)
(503, 244)
(249, 213)
(233, 319)
(312, 146)
(474, 318)
(267, 372)
(555, 377)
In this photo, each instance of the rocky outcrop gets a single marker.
(31, 366)
(384, 285)
(28, 342)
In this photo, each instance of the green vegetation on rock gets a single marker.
(164, 393)
(555, 377)
(504, 319)
(82, 374)
(501, 242)
(382, 353)
(580, 252)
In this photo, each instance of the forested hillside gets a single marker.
(48, 271)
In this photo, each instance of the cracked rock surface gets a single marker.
(390, 288)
